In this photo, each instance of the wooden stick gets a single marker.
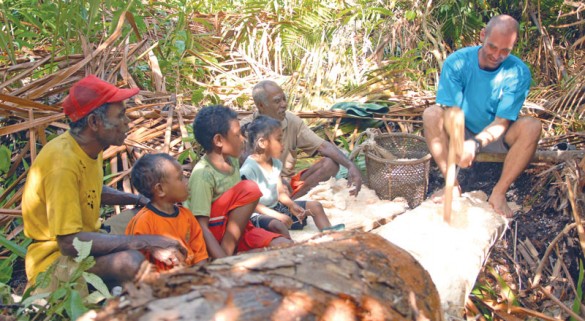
(126, 166)
(66, 73)
(541, 156)
(114, 169)
(169, 126)
(560, 304)
(16, 197)
(10, 212)
(32, 137)
(576, 212)
(515, 309)
(18, 159)
(184, 132)
(538, 272)
(27, 103)
(454, 123)
(13, 185)
(27, 125)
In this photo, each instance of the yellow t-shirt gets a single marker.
(61, 196)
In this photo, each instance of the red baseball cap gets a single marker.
(90, 93)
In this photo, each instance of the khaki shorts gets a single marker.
(498, 146)
(64, 268)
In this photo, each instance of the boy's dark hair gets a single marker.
(261, 127)
(210, 121)
(148, 171)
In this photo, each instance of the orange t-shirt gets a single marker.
(181, 226)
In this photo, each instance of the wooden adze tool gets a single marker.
(454, 124)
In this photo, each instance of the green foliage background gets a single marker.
(327, 47)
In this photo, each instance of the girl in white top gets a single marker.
(263, 166)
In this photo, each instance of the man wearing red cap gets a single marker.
(64, 190)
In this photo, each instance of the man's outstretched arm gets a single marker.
(354, 176)
(112, 196)
(104, 244)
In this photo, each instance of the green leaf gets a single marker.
(188, 139)
(5, 294)
(5, 158)
(344, 142)
(183, 156)
(197, 96)
(6, 268)
(83, 249)
(410, 15)
(75, 307)
(94, 298)
(97, 283)
(13, 247)
(383, 11)
(505, 290)
(31, 299)
(194, 156)
(44, 279)
(58, 294)
(579, 298)
(25, 164)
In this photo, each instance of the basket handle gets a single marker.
(371, 133)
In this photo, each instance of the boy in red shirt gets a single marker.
(160, 178)
(220, 200)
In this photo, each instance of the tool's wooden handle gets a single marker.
(454, 124)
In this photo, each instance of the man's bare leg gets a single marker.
(438, 144)
(522, 137)
(321, 171)
(117, 268)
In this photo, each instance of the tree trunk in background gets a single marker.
(336, 276)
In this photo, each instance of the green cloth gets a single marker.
(360, 109)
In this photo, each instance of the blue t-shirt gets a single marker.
(481, 94)
(267, 181)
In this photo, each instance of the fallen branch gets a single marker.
(576, 214)
(541, 156)
(560, 304)
(514, 309)
(538, 273)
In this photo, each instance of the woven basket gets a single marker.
(407, 176)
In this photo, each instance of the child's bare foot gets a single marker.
(438, 196)
(500, 205)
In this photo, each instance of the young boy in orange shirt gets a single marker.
(220, 200)
(160, 178)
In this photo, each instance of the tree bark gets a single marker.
(335, 276)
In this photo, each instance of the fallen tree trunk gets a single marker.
(336, 276)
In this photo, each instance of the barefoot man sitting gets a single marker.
(489, 85)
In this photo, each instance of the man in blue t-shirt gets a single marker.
(489, 85)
